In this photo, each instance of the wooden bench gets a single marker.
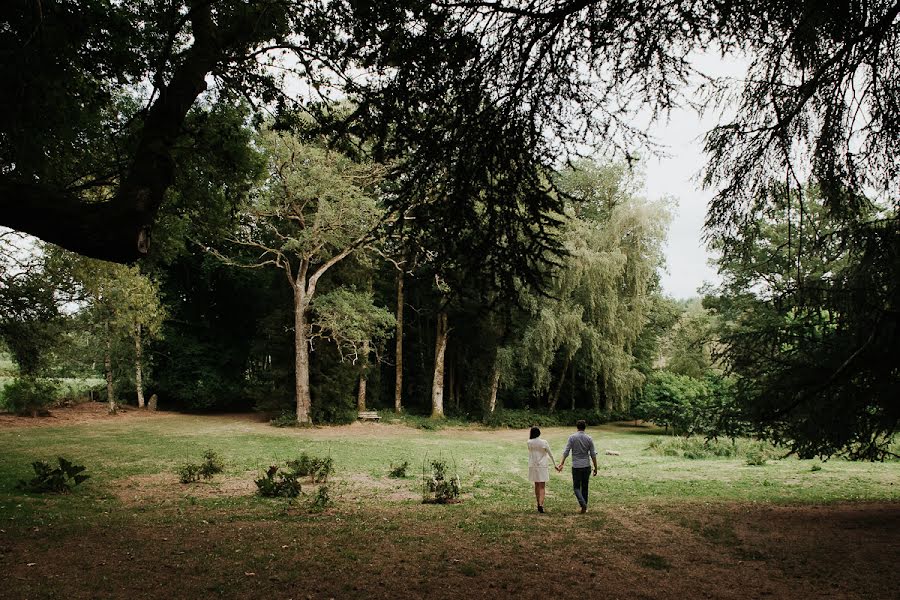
(368, 415)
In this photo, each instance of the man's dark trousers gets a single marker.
(581, 476)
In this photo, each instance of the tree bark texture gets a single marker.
(554, 397)
(138, 375)
(495, 385)
(301, 354)
(363, 376)
(440, 351)
(107, 364)
(398, 352)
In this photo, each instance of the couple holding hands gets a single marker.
(540, 458)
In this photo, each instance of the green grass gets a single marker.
(490, 537)
(491, 464)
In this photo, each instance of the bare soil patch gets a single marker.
(684, 551)
(78, 414)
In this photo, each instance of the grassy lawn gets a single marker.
(658, 526)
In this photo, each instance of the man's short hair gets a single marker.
(580, 425)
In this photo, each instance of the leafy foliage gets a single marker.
(29, 395)
(317, 468)
(810, 326)
(322, 499)
(439, 487)
(277, 482)
(212, 464)
(57, 480)
(690, 406)
(398, 471)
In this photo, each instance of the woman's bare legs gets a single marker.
(540, 489)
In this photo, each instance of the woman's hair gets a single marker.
(535, 432)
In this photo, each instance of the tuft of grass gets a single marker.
(654, 561)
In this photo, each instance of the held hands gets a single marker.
(559, 468)
(595, 471)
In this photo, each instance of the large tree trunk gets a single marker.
(398, 353)
(138, 377)
(495, 385)
(301, 354)
(107, 364)
(554, 397)
(595, 394)
(440, 350)
(363, 375)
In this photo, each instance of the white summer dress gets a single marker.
(539, 460)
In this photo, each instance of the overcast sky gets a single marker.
(678, 176)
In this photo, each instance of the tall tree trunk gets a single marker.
(595, 394)
(440, 350)
(495, 385)
(138, 378)
(107, 364)
(301, 354)
(398, 353)
(554, 397)
(363, 376)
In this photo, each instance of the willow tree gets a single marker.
(315, 208)
(601, 292)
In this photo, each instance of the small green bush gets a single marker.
(399, 471)
(277, 482)
(57, 480)
(322, 499)
(188, 473)
(315, 467)
(438, 488)
(29, 395)
(756, 458)
(284, 420)
(211, 465)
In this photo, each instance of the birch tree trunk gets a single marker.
(301, 353)
(398, 352)
(138, 377)
(107, 364)
(495, 385)
(440, 350)
(595, 394)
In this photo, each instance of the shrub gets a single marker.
(188, 473)
(756, 458)
(277, 482)
(58, 480)
(191, 472)
(399, 471)
(698, 449)
(524, 418)
(284, 420)
(212, 464)
(29, 395)
(438, 488)
(316, 467)
(322, 499)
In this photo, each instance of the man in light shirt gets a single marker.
(581, 446)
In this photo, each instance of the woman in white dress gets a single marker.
(539, 460)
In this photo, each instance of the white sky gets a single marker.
(678, 176)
